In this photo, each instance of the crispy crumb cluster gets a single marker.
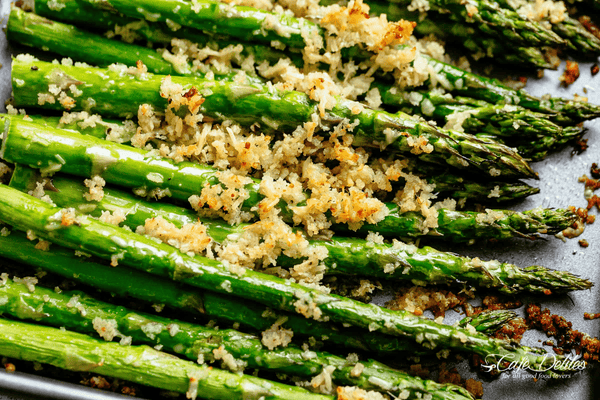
(306, 179)
(562, 330)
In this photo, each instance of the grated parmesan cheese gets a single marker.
(228, 361)
(96, 188)
(276, 336)
(106, 328)
(28, 281)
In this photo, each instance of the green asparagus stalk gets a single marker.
(503, 121)
(467, 84)
(126, 282)
(120, 95)
(467, 35)
(446, 181)
(139, 364)
(346, 256)
(77, 13)
(35, 31)
(537, 149)
(579, 39)
(192, 340)
(216, 17)
(120, 245)
(493, 20)
(576, 37)
(53, 149)
(448, 184)
(243, 22)
(110, 129)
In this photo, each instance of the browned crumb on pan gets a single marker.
(583, 214)
(420, 371)
(595, 171)
(452, 376)
(99, 382)
(591, 316)
(594, 69)
(591, 184)
(571, 73)
(584, 243)
(475, 387)
(562, 330)
(580, 146)
(109, 384)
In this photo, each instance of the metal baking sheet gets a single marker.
(559, 188)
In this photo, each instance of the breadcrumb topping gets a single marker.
(190, 238)
(277, 336)
(96, 186)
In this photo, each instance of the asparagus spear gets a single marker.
(491, 90)
(467, 35)
(446, 181)
(347, 256)
(576, 37)
(448, 184)
(77, 13)
(31, 144)
(35, 31)
(120, 95)
(491, 19)
(213, 16)
(110, 129)
(243, 22)
(537, 149)
(504, 121)
(531, 133)
(127, 282)
(192, 340)
(139, 364)
(117, 244)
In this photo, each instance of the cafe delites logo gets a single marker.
(546, 365)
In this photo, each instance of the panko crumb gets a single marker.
(354, 393)
(277, 336)
(591, 316)
(96, 188)
(570, 74)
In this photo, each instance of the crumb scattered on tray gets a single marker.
(580, 146)
(595, 171)
(571, 73)
(562, 330)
